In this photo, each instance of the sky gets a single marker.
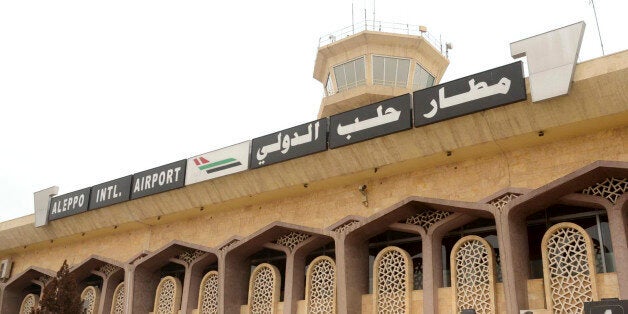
(91, 91)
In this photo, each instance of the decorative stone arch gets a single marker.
(208, 294)
(15, 290)
(568, 268)
(320, 287)
(168, 296)
(392, 281)
(29, 303)
(428, 218)
(90, 299)
(280, 239)
(570, 189)
(145, 275)
(104, 275)
(118, 302)
(264, 289)
(473, 275)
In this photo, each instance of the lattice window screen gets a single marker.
(29, 303)
(89, 298)
(264, 289)
(568, 268)
(208, 295)
(320, 288)
(392, 281)
(118, 304)
(168, 296)
(473, 275)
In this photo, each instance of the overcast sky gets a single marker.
(91, 91)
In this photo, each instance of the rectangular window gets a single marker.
(350, 74)
(390, 71)
(421, 78)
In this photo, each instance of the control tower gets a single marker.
(364, 64)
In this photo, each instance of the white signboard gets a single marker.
(218, 163)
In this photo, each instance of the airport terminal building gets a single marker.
(404, 195)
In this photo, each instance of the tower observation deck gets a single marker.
(371, 61)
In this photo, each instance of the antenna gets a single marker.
(352, 20)
(598, 26)
(374, 15)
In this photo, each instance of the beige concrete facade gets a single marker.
(458, 166)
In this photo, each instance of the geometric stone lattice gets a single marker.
(568, 268)
(264, 289)
(29, 303)
(503, 200)
(392, 281)
(190, 255)
(610, 189)
(321, 286)
(292, 239)
(427, 217)
(208, 296)
(108, 269)
(346, 226)
(472, 264)
(118, 305)
(168, 296)
(89, 300)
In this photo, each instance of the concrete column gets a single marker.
(294, 281)
(618, 225)
(432, 272)
(353, 265)
(129, 272)
(108, 288)
(185, 293)
(512, 234)
(234, 284)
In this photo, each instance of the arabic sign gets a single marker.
(111, 192)
(69, 204)
(481, 91)
(160, 179)
(298, 141)
(378, 119)
(608, 306)
(218, 163)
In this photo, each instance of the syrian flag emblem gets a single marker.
(210, 167)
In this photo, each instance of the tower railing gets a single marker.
(379, 26)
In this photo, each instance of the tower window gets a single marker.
(390, 71)
(350, 74)
(421, 79)
(329, 87)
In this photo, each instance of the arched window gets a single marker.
(264, 289)
(320, 291)
(568, 268)
(89, 298)
(29, 303)
(392, 281)
(208, 294)
(473, 275)
(168, 296)
(118, 304)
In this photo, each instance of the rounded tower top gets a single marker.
(375, 63)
